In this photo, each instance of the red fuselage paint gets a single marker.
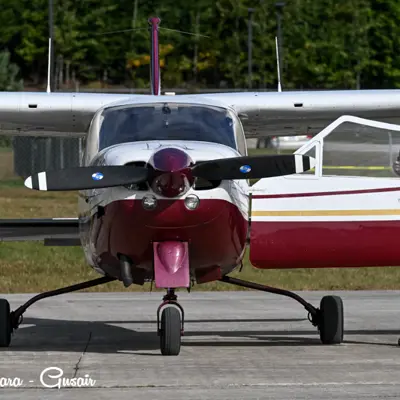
(216, 233)
(324, 244)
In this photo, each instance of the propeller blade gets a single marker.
(82, 178)
(253, 167)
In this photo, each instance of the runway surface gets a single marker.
(237, 346)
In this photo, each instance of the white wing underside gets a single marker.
(262, 113)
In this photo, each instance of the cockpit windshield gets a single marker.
(168, 121)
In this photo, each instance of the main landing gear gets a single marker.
(170, 314)
(328, 318)
(170, 327)
(10, 321)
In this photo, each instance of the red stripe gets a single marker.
(314, 194)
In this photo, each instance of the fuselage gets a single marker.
(209, 218)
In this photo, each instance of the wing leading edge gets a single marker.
(52, 114)
(262, 113)
(290, 113)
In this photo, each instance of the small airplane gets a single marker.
(165, 194)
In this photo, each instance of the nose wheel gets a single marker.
(170, 325)
(170, 332)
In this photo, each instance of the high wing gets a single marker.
(262, 113)
(300, 113)
(55, 231)
(52, 114)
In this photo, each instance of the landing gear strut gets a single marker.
(170, 327)
(328, 318)
(10, 321)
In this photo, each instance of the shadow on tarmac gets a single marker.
(44, 335)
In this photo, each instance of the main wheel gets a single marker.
(170, 334)
(5, 323)
(331, 322)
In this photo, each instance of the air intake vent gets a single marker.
(204, 184)
(143, 186)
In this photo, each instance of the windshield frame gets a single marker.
(237, 130)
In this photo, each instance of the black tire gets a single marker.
(332, 320)
(5, 323)
(170, 334)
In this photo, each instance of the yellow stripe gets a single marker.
(320, 213)
(375, 168)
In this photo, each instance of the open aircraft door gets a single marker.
(310, 220)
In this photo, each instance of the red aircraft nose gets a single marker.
(173, 175)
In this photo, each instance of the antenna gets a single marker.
(278, 64)
(49, 69)
(51, 50)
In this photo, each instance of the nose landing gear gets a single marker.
(170, 324)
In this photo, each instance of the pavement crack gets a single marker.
(76, 369)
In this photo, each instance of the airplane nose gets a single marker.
(172, 173)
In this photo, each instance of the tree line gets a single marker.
(98, 43)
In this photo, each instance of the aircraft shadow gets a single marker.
(103, 337)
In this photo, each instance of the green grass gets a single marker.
(31, 267)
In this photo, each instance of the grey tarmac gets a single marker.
(237, 345)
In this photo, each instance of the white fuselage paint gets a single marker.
(308, 198)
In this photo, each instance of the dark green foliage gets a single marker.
(326, 43)
(9, 79)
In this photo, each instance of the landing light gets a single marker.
(149, 203)
(192, 202)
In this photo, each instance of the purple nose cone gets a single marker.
(171, 255)
(171, 264)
